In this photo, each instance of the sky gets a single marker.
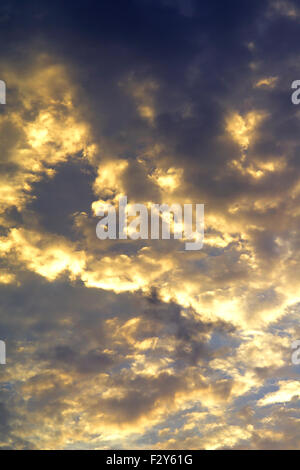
(138, 344)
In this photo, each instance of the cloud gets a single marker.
(287, 390)
(135, 344)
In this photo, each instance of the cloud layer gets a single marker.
(137, 344)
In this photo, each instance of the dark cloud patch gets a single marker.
(57, 199)
(141, 396)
